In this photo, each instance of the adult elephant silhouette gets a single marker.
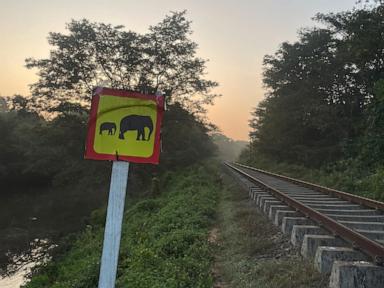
(138, 123)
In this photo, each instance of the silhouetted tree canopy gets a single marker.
(321, 89)
(51, 148)
(91, 53)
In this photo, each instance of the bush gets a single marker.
(164, 241)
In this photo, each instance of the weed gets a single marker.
(164, 241)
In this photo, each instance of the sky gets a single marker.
(233, 35)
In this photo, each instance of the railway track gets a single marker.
(343, 233)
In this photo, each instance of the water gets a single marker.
(17, 279)
(33, 220)
(21, 265)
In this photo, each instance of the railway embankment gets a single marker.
(205, 228)
(342, 233)
(252, 252)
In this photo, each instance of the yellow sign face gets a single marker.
(124, 126)
(137, 141)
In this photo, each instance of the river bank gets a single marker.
(164, 242)
(33, 219)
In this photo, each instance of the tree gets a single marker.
(371, 145)
(321, 89)
(296, 121)
(164, 59)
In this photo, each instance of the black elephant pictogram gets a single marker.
(138, 123)
(108, 126)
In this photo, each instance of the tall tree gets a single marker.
(319, 88)
(163, 59)
(295, 121)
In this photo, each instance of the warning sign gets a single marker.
(124, 125)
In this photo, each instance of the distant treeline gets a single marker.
(228, 149)
(38, 151)
(324, 107)
(42, 137)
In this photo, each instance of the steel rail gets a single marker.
(339, 194)
(358, 241)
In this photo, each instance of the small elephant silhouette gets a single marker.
(138, 123)
(108, 126)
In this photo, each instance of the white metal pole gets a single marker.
(112, 233)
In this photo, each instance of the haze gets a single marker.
(233, 35)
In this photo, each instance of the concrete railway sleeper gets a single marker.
(342, 233)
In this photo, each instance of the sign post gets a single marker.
(123, 127)
(112, 233)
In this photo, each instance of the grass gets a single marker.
(346, 175)
(164, 241)
(252, 252)
(167, 242)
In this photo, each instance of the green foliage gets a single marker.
(185, 138)
(296, 121)
(43, 138)
(371, 144)
(323, 117)
(163, 59)
(36, 150)
(349, 175)
(164, 241)
(321, 91)
(51, 148)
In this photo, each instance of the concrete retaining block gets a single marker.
(326, 256)
(356, 275)
(269, 203)
(261, 201)
(274, 208)
(280, 214)
(262, 194)
(312, 242)
(257, 195)
(289, 222)
(299, 231)
(254, 191)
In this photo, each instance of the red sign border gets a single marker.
(90, 153)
